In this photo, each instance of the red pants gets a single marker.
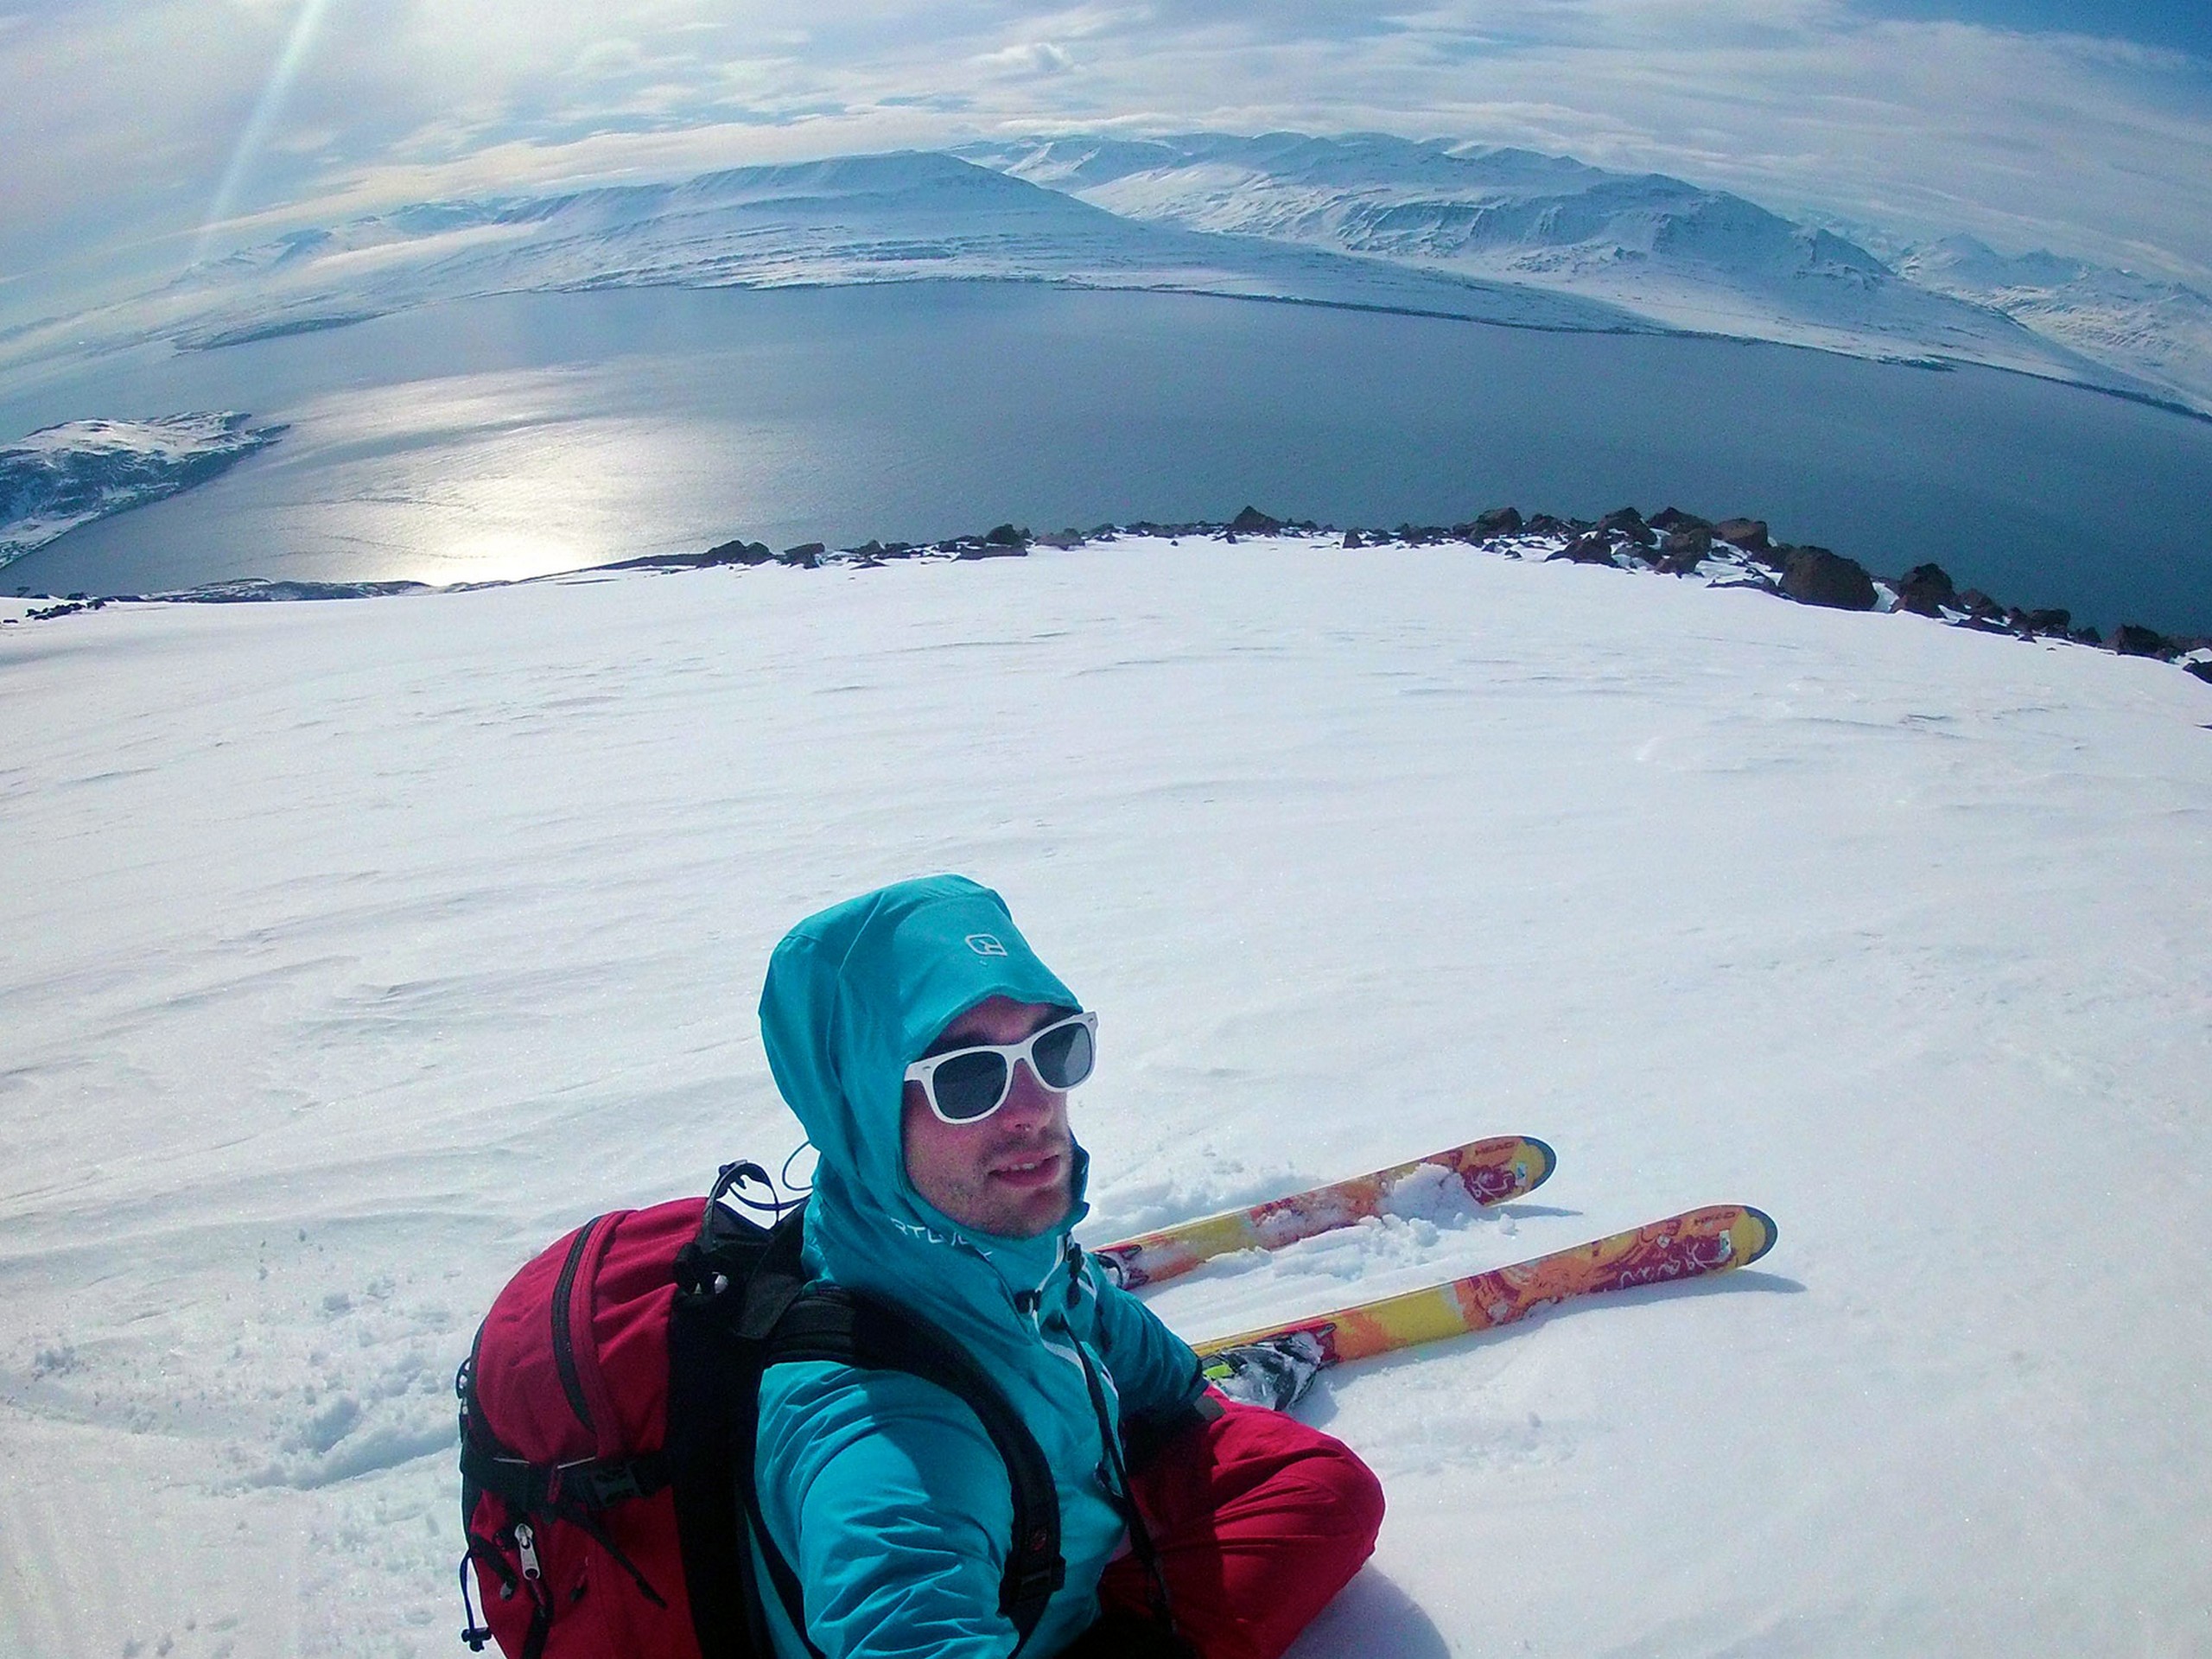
(1257, 1521)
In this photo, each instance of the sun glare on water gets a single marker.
(502, 555)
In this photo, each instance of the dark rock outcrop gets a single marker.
(1672, 518)
(1814, 575)
(1925, 589)
(1498, 521)
(2133, 639)
(727, 553)
(1683, 549)
(1429, 535)
(807, 555)
(1593, 548)
(1253, 522)
(1750, 534)
(738, 552)
(1627, 521)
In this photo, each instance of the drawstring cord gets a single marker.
(1113, 1471)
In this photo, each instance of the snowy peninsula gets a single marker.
(71, 473)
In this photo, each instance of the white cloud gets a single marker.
(129, 110)
(1037, 58)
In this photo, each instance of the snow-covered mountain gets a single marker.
(868, 219)
(2159, 330)
(63, 476)
(1497, 235)
(1663, 248)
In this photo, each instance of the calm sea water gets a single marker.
(515, 435)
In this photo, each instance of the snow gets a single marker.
(69, 474)
(349, 953)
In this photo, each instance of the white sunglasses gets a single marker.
(967, 1085)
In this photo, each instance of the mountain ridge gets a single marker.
(1669, 251)
(1485, 233)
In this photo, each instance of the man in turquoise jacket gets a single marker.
(929, 1052)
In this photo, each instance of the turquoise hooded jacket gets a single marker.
(882, 1490)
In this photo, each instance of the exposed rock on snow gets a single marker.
(1925, 590)
(1690, 547)
(1814, 575)
(63, 476)
(1750, 534)
(1684, 548)
(1670, 543)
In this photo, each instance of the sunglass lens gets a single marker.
(969, 1085)
(1062, 1055)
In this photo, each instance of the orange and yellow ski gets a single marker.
(1491, 1172)
(1712, 1240)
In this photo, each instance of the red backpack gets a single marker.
(607, 1414)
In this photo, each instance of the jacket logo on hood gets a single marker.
(985, 944)
(930, 1236)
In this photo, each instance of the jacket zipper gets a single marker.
(564, 1352)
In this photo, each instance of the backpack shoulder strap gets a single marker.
(718, 1346)
(728, 1279)
(828, 1322)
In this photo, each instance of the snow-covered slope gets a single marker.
(1666, 249)
(350, 952)
(867, 219)
(2160, 330)
(63, 476)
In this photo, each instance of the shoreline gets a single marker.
(1735, 552)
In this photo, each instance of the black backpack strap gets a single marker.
(829, 1322)
(720, 1343)
(733, 1270)
(588, 1485)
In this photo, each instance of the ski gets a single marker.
(1491, 1172)
(1713, 1240)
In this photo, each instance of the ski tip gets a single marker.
(1768, 1232)
(1540, 1167)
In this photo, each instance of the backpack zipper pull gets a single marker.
(526, 1546)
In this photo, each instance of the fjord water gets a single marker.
(514, 435)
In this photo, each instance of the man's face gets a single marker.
(1011, 1173)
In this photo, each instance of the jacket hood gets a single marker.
(853, 995)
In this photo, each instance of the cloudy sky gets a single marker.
(139, 132)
